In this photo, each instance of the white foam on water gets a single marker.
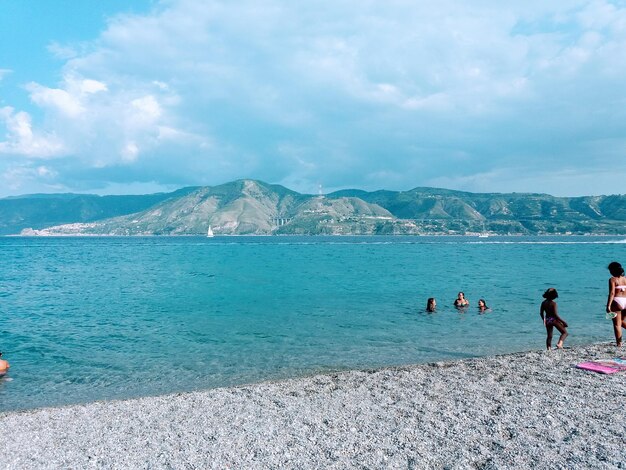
(548, 242)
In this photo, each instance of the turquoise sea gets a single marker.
(85, 319)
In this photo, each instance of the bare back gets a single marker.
(617, 285)
(549, 307)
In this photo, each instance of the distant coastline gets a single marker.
(339, 235)
(249, 207)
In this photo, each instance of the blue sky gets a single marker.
(147, 95)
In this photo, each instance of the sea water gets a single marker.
(84, 319)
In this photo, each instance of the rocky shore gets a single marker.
(523, 410)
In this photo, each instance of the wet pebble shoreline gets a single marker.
(531, 409)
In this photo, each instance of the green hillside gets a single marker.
(45, 210)
(249, 207)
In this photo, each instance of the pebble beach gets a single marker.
(524, 410)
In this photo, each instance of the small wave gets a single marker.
(315, 241)
(548, 242)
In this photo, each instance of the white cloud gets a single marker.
(161, 85)
(28, 179)
(560, 182)
(92, 86)
(130, 152)
(71, 100)
(373, 94)
(146, 109)
(56, 99)
(62, 52)
(46, 172)
(435, 102)
(89, 119)
(20, 138)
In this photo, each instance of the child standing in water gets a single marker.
(552, 319)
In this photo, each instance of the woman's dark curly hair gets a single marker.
(550, 294)
(616, 269)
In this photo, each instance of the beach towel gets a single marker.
(605, 366)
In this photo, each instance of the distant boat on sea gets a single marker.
(209, 232)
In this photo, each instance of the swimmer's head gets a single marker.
(616, 269)
(550, 294)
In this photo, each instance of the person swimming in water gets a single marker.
(616, 302)
(431, 305)
(482, 306)
(461, 301)
(552, 319)
(4, 366)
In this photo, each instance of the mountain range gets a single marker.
(250, 207)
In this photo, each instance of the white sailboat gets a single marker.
(484, 233)
(209, 232)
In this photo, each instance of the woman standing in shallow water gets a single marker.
(616, 303)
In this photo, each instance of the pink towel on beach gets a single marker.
(609, 366)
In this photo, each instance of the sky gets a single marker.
(141, 96)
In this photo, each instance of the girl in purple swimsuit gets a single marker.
(552, 319)
(616, 303)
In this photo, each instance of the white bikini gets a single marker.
(620, 301)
